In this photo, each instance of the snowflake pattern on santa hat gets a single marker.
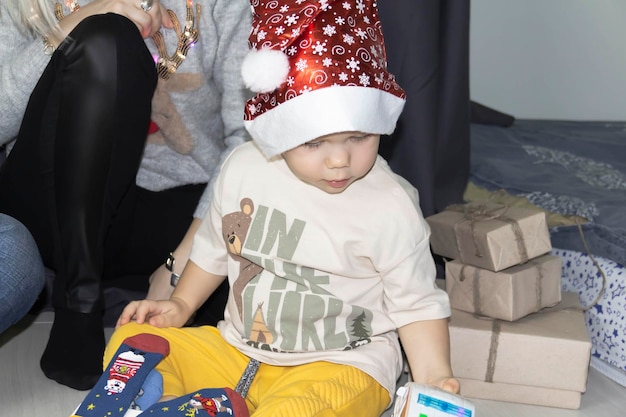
(328, 44)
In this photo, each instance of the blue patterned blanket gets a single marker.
(573, 168)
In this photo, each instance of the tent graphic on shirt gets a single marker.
(259, 332)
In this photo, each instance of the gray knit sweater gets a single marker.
(199, 111)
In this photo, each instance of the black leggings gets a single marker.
(78, 151)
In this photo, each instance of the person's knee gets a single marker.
(104, 43)
(21, 271)
(110, 27)
(23, 250)
(33, 263)
(11, 228)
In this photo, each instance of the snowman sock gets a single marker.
(121, 381)
(216, 402)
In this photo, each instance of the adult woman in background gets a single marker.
(112, 153)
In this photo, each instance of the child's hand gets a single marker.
(446, 383)
(162, 313)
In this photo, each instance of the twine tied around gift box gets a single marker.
(475, 213)
(476, 300)
(496, 330)
(493, 350)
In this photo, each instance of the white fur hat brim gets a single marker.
(322, 112)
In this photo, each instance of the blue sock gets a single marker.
(151, 392)
(222, 402)
(124, 376)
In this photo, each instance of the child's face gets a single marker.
(333, 162)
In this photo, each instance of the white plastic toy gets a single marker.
(416, 400)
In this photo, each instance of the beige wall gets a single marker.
(550, 59)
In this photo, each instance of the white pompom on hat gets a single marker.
(274, 65)
(318, 67)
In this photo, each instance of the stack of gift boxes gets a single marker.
(514, 336)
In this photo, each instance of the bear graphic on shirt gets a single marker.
(234, 230)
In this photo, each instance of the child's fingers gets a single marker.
(127, 314)
(168, 316)
(137, 311)
(451, 385)
(145, 310)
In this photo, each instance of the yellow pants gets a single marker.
(200, 358)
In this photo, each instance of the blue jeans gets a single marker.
(21, 271)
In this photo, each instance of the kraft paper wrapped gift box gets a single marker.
(521, 394)
(541, 359)
(509, 294)
(489, 236)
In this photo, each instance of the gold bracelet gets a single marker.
(48, 47)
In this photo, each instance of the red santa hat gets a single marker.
(318, 67)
